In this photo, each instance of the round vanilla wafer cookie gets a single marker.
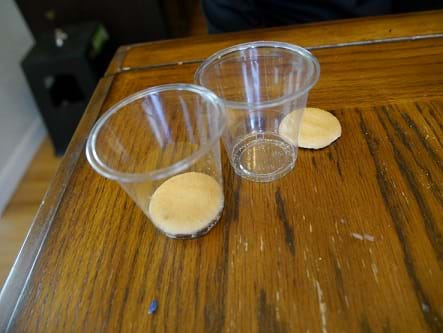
(186, 203)
(318, 129)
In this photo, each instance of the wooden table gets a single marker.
(351, 240)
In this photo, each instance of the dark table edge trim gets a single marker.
(15, 285)
(119, 57)
(117, 60)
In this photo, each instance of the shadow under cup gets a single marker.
(162, 146)
(259, 84)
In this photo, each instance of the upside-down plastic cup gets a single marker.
(162, 146)
(259, 84)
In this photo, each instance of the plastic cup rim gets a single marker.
(106, 171)
(262, 44)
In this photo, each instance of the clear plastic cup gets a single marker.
(260, 83)
(162, 146)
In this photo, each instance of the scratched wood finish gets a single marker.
(406, 26)
(286, 256)
(349, 241)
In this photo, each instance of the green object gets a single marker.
(99, 39)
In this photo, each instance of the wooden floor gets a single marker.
(18, 215)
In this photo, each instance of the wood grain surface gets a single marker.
(317, 35)
(350, 76)
(351, 240)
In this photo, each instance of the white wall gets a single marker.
(21, 128)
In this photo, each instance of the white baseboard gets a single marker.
(19, 161)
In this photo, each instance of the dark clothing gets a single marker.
(235, 15)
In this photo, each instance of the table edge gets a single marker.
(120, 70)
(21, 271)
(118, 59)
